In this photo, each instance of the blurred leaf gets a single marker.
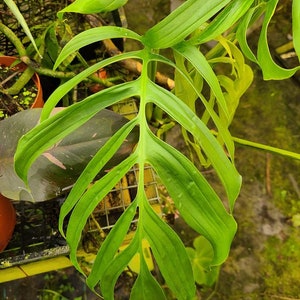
(91, 6)
(201, 256)
(296, 26)
(57, 169)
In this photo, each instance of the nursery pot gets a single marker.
(7, 221)
(8, 60)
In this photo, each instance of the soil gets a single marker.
(11, 104)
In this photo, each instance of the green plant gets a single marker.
(42, 50)
(185, 31)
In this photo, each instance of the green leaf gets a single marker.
(166, 244)
(198, 60)
(201, 256)
(96, 164)
(223, 21)
(111, 245)
(241, 34)
(187, 118)
(181, 22)
(116, 267)
(296, 26)
(269, 68)
(88, 202)
(57, 169)
(52, 130)
(91, 6)
(92, 35)
(15, 10)
(145, 286)
(195, 199)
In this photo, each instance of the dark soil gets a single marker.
(11, 104)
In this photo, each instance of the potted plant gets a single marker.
(7, 221)
(185, 31)
(30, 96)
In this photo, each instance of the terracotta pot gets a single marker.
(8, 60)
(7, 221)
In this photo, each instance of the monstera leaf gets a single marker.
(58, 168)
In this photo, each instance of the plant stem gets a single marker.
(14, 39)
(275, 150)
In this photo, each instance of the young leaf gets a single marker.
(224, 20)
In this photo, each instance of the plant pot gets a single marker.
(7, 221)
(8, 61)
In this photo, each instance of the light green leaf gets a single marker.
(91, 6)
(270, 69)
(15, 10)
(241, 34)
(92, 35)
(224, 20)
(181, 22)
(296, 26)
(201, 256)
(198, 60)
(195, 199)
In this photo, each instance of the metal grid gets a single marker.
(36, 234)
(114, 204)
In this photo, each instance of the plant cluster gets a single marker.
(199, 81)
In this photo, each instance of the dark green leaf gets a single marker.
(57, 169)
(52, 130)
